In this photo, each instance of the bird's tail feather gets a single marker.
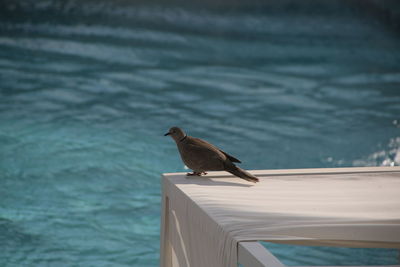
(243, 174)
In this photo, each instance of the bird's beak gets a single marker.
(167, 134)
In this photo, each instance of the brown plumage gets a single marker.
(201, 156)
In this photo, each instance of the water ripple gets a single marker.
(88, 88)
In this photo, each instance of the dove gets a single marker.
(201, 156)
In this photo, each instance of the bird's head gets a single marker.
(176, 133)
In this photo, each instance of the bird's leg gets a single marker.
(204, 173)
(193, 174)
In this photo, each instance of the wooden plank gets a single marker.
(253, 254)
(165, 246)
(317, 171)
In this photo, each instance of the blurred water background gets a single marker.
(88, 88)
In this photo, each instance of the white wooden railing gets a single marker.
(253, 254)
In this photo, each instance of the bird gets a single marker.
(201, 156)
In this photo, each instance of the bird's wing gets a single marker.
(231, 158)
(206, 145)
(201, 156)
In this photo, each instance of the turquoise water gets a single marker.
(88, 88)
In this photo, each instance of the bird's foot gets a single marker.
(193, 174)
(204, 173)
